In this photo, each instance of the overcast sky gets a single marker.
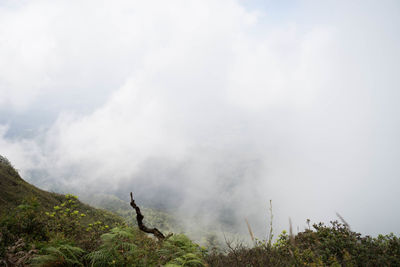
(226, 103)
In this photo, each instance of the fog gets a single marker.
(209, 108)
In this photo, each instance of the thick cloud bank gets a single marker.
(209, 107)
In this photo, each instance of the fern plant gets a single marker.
(181, 251)
(187, 260)
(118, 248)
(59, 255)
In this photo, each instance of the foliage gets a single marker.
(36, 216)
(130, 247)
(338, 244)
(180, 250)
(66, 218)
(59, 255)
(334, 245)
(22, 223)
(118, 248)
(64, 238)
(48, 229)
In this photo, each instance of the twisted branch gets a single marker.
(140, 217)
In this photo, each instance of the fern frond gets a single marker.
(100, 258)
(61, 255)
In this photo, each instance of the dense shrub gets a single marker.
(23, 222)
(31, 223)
(59, 254)
(337, 243)
(130, 247)
(334, 245)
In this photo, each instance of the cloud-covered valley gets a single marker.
(209, 107)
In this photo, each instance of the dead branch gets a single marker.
(17, 256)
(140, 217)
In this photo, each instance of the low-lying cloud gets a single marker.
(210, 107)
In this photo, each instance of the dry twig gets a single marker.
(140, 217)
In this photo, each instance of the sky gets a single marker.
(209, 107)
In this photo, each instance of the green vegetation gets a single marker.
(59, 255)
(13, 189)
(129, 247)
(38, 228)
(334, 245)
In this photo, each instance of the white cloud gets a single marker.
(24, 155)
(235, 108)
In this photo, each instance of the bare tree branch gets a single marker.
(140, 217)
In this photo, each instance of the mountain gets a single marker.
(15, 191)
(39, 228)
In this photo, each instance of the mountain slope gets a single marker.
(39, 228)
(14, 191)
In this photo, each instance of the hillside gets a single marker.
(39, 228)
(15, 191)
